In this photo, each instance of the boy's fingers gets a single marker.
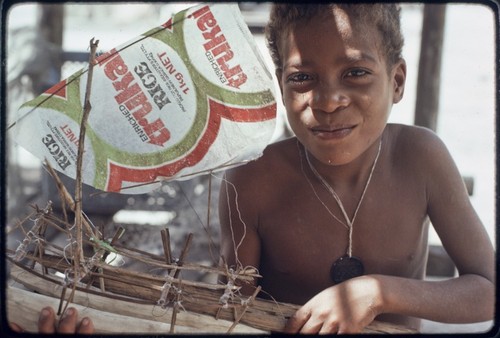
(295, 323)
(86, 326)
(47, 321)
(68, 322)
(15, 327)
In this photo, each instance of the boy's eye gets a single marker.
(299, 78)
(356, 73)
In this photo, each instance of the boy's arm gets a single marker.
(239, 242)
(350, 306)
(470, 297)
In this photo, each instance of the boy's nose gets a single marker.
(329, 99)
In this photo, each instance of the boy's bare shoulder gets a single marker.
(411, 133)
(275, 161)
(414, 142)
(418, 155)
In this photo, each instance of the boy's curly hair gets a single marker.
(384, 16)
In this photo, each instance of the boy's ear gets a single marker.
(399, 79)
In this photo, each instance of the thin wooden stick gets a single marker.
(209, 208)
(165, 237)
(70, 299)
(103, 255)
(63, 192)
(78, 257)
(61, 300)
(39, 249)
(175, 308)
(116, 237)
(114, 240)
(184, 252)
(174, 273)
(245, 308)
(21, 250)
(40, 233)
(174, 318)
(79, 161)
(209, 201)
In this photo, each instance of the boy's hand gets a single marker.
(344, 308)
(47, 323)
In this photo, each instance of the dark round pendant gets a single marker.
(346, 268)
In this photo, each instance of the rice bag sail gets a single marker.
(190, 96)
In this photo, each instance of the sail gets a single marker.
(182, 99)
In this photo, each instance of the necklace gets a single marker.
(347, 266)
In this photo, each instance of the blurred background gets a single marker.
(47, 43)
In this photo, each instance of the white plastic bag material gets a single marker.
(183, 99)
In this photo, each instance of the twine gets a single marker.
(350, 222)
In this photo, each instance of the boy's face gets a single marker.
(336, 87)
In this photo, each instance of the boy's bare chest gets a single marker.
(303, 238)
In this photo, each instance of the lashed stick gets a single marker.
(245, 307)
(68, 199)
(165, 237)
(78, 256)
(79, 161)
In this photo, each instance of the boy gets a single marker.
(337, 218)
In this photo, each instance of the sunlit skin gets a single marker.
(338, 92)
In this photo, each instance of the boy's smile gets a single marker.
(336, 87)
(334, 131)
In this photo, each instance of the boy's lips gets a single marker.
(332, 132)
